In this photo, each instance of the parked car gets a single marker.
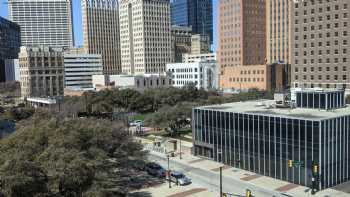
(136, 123)
(179, 178)
(155, 169)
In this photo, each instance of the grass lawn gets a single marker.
(138, 117)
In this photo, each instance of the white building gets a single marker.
(43, 22)
(191, 58)
(137, 82)
(202, 74)
(12, 70)
(79, 68)
(145, 36)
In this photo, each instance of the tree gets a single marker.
(174, 118)
(68, 157)
(23, 178)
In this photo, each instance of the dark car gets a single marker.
(179, 178)
(155, 169)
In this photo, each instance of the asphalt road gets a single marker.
(211, 180)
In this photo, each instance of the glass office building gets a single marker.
(258, 137)
(179, 13)
(197, 14)
(320, 99)
(10, 43)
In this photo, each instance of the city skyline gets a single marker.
(77, 20)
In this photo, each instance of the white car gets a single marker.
(136, 123)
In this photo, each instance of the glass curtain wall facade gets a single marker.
(179, 13)
(264, 145)
(197, 14)
(320, 100)
(10, 42)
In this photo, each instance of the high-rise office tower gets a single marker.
(41, 71)
(43, 22)
(197, 14)
(321, 44)
(278, 31)
(101, 32)
(10, 43)
(241, 42)
(145, 35)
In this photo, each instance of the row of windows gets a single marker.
(328, 9)
(324, 85)
(320, 61)
(232, 79)
(253, 71)
(320, 44)
(328, 52)
(320, 77)
(320, 69)
(328, 35)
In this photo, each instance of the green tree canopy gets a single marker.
(69, 157)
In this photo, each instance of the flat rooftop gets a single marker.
(267, 108)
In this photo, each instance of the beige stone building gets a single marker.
(41, 71)
(204, 57)
(200, 44)
(180, 42)
(145, 36)
(321, 44)
(241, 37)
(278, 31)
(101, 32)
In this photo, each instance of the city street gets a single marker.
(210, 180)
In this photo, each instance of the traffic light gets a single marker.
(248, 193)
(290, 163)
(315, 169)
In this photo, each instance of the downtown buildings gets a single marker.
(41, 71)
(180, 42)
(241, 42)
(280, 141)
(197, 14)
(145, 36)
(278, 31)
(321, 44)
(10, 43)
(201, 74)
(101, 32)
(79, 67)
(43, 22)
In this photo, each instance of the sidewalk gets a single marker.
(250, 177)
(178, 191)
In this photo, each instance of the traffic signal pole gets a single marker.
(221, 182)
(169, 172)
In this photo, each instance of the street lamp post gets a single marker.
(180, 149)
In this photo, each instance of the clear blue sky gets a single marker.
(78, 34)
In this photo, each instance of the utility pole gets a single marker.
(169, 171)
(220, 181)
